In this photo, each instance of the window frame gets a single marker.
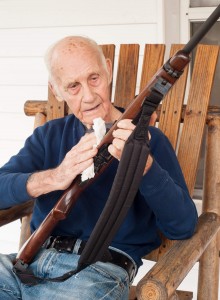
(189, 15)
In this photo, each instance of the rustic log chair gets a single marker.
(175, 258)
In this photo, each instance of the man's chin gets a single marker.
(89, 121)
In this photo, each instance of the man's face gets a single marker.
(83, 82)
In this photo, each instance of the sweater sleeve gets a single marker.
(165, 191)
(14, 174)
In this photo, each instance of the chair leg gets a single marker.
(174, 297)
(132, 293)
(209, 262)
(183, 295)
(25, 230)
(209, 272)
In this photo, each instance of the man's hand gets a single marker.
(125, 128)
(76, 160)
(79, 158)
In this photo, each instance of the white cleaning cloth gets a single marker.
(99, 130)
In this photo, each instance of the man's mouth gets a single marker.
(91, 109)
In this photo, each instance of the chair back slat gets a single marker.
(171, 108)
(126, 74)
(196, 111)
(109, 52)
(55, 108)
(152, 61)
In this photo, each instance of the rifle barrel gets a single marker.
(201, 32)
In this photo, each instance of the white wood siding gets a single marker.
(28, 27)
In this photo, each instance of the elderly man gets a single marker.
(62, 149)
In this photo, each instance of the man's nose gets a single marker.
(88, 94)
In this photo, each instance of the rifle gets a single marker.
(160, 84)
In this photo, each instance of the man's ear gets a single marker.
(109, 68)
(53, 90)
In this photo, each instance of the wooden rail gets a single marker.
(16, 212)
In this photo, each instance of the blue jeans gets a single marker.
(98, 281)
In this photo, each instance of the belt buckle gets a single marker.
(48, 243)
(63, 244)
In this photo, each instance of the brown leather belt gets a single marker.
(66, 244)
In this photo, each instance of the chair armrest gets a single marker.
(16, 212)
(167, 274)
(32, 107)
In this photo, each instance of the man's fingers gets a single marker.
(126, 124)
(86, 142)
(114, 151)
(118, 143)
(122, 134)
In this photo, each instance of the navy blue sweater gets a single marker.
(162, 202)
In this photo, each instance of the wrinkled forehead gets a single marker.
(73, 52)
(76, 66)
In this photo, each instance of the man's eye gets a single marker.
(73, 86)
(94, 79)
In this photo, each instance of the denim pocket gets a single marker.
(113, 280)
(44, 262)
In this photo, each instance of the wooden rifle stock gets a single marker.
(168, 73)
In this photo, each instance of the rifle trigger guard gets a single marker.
(102, 158)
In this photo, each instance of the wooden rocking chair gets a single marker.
(184, 125)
